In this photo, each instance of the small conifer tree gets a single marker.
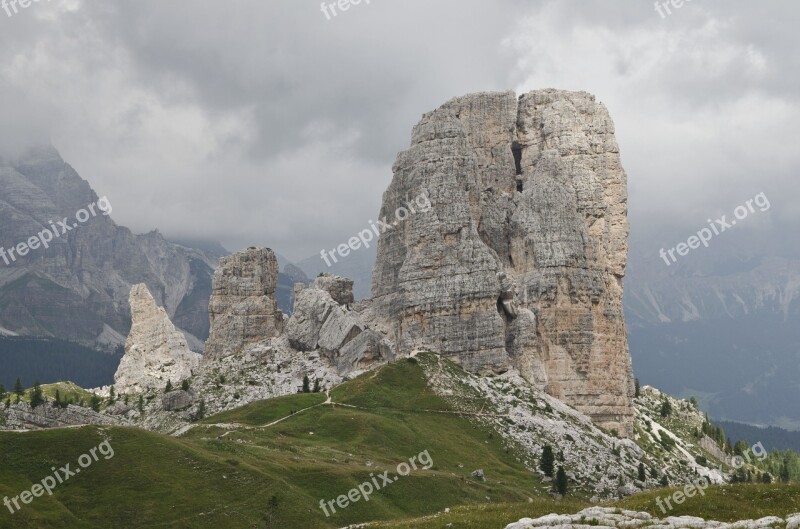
(548, 460)
(37, 399)
(561, 482)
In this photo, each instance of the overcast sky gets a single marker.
(264, 123)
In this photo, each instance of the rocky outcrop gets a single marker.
(324, 320)
(243, 309)
(177, 400)
(598, 464)
(339, 288)
(615, 518)
(312, 307)
(516, 264)
(711, 446)
(21, 416)
(519, 261)
(155, 352)
(266, 370)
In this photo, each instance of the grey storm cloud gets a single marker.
(263, 122)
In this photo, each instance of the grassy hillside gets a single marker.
(265, 412)
(226, 470)
(68, 391)
(215, 476)
(151, 481)
(726, 503)
(722, 503)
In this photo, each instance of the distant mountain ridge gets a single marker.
(771, 437)
(77, 289)
(721, 324)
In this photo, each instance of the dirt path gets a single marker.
(235, 427)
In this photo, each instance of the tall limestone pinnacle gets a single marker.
(243, 309)
(519, 261)
(155, 351)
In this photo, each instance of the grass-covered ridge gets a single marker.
(67, 392)
(724, 503)
(225, 470)
(220, 474)
(265, 412)
(721, 503)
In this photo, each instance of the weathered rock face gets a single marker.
(266, 370)
(177, 400)
(155, 350)
(243, 308)
(22, 417)
(519, 261)
(339, 288)
(323, 319)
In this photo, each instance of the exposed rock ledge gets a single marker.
(604, 517)
(21, 416)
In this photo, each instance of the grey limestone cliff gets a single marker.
(519, 261)
(243, 309)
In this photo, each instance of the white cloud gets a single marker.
(266, 124)
(696, 131)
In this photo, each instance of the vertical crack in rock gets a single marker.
(516, 150)
(519, 262)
